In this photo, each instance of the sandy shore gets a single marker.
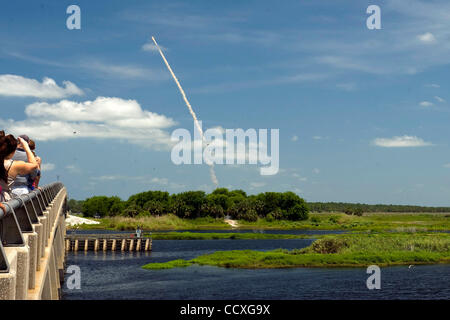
(232, 223)
(74, 220)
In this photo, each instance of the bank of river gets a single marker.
(116, 275)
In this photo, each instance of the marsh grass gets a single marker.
(164, 222)
(374, 222)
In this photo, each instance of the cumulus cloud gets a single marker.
(427, 37)
(447, 165)
(18, 86)
(294, 138)
(108, 118)
(439, 99)
(401, 142)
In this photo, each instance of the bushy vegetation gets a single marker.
(197, 204)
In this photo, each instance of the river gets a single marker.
(117, 275)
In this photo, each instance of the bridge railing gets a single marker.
(28, 223)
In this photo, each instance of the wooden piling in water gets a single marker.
(131, 245)
(138, 245)
(106, 242)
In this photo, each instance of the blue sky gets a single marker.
(363, 114)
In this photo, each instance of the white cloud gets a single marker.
(108, 118)
(47, 167)
(123, 71)
(316, 170)
(18, 86)
(299, 177)
(162, 181)
(439, 99)
(256, 83)
(427, 37)
(432, 85)
(426, 104)
(257, 184)
(294, 138)
(447, 165)
(72, 168)
(400, 142)
(145, 180)
(141, 179)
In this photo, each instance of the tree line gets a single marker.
(359, 208)
(195, 204)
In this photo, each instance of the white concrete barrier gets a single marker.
(33, 259)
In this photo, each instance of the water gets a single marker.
(116, 275)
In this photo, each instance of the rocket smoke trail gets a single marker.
(199, 128)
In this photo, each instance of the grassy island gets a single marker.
(348, 250)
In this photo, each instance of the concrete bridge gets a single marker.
(32, 252)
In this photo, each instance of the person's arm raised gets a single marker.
(21, 167)
(30, 155)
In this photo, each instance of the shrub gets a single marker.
(277, 214)
(329, 245)
(298, 212)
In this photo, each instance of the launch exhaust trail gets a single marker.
(194, 116)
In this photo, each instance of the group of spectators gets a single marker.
(20, 168)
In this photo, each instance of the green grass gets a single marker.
(397, 222)
(168, 265)
(349, 250)
(230, 236)
(165, 222)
